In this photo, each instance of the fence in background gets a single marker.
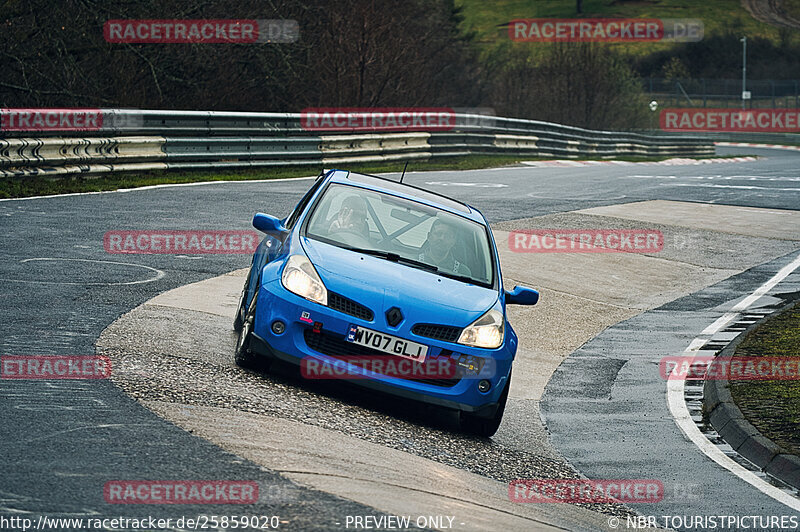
(768, 93)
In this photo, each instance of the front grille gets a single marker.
(348, 306)
(337, 347)
(445, 333)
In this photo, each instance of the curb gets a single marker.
(674, 161)
(730, 423)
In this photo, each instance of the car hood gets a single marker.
(423, 296)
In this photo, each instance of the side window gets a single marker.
(303, 203)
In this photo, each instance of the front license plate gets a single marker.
(387, 343)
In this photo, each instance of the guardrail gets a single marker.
(134, 140)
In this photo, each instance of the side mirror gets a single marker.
(268, 224)
(521, 295)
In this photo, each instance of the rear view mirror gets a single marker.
(522, 295)
(402, 214)
(268, 224)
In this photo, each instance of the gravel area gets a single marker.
(185, 357)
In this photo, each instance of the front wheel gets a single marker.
(244, 356)
(482, 426)
(240, 311)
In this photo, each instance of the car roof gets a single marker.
(403, 190)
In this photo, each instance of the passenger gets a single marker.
(438, 249)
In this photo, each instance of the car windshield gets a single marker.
(403, 231)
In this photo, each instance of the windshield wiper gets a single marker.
(394, 257)
(464, 278)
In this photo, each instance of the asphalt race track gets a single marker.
(179, 409)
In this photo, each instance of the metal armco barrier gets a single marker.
(133, 140)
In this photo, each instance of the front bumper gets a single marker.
(300, 316)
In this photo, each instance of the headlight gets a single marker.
(300, 277)
(487, 331)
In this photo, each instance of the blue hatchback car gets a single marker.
(388, 286)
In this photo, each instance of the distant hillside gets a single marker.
(718, 16)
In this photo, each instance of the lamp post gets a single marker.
(653, 107)
(744, 67)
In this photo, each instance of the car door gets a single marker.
(270, 247)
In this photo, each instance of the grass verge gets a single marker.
(41, 186)
(773, 407)
(44, 186)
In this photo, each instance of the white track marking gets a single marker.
(749, 145)
(679, 411)
(740, 187)
(719, 177)
(159, 273)
(456, 184)
(677, 161)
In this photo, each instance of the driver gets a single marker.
(352, 217)
(438, 249)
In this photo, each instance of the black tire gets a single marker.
(239, 318)
(483, 426)
(244, 356)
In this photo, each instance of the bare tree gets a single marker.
(350, 53)
(391, 52)
(580, 84)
